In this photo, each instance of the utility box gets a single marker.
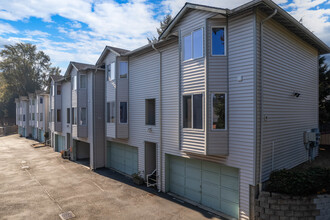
(309, 136)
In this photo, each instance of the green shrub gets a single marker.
(314, 180)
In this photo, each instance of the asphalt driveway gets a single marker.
(49, 185)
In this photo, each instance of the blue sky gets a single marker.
(78, 30)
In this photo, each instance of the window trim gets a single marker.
(145, 111)
(126, 113)
(225, 34)
(85, 75)
(226, 110)
(120, 70)
(192, 111)
(192, 43)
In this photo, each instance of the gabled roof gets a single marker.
(115, 50)
(56, 77)
(78, 66)
(266, 6)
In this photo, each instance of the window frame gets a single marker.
(225, 42)
(80, 77)
(226, 111)
(126, 113)
(120, 70)
(68, 114)
(86, 117)
(192, 111)
(58, 89)
(192, 44)
(58, 113)
(146, 107)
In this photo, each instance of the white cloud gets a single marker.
(6, 28)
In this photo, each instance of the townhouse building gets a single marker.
(41, 114)
(206, 113)
(33, 119)
(22, 116)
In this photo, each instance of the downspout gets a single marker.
(262, 91)
(160, 120)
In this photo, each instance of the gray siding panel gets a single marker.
(217, 81)
(241, 122)
(290, 65)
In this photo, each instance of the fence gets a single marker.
(8, 130)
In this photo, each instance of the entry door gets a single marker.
(150, 157)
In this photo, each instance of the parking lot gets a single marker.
(36, 183)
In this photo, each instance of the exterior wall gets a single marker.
(217, 81)
(121, 96)
(290, 65)
(83, 97)
(143, 84)
(58, 106)
(110, 91)
(193, 80)
(66, 103)
(98, 120)
(74, 103)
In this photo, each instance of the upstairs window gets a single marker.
(111, 108)
(150, 112)
(219, 111)
(23, 117)
(123, 112)
(83, 116)
(41, 100)
(68, 115)
(33, 116)
(193, 45)
(41, 116)
(218, 41)
(74, 116)
(59, 90)
(111, 71)
(74, 82)
(83, 81)
(193, 111)
(123, 70)
(58, 115)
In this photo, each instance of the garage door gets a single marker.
(210, 184)
(59, 143)
(122, 157)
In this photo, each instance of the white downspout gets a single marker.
(262, 95)
(160, 120)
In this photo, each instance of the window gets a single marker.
(83, 116)
(123, 112)
(218, 41)
(111, 71)
(83, 81)
(74, 116)
(193, 45)
(33, 116)
(23, 117)
(74, 83)
(32, 101)
(58, 115)
(193, 111)
(58, 89)
(218, 111)
(68, 115)
(150, 112)
(187, 111)
(111, 108)
(187, 47)
(123, 69)
(41, 116)
(108, 70)
(41, 100)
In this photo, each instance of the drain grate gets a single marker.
(67, 215)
